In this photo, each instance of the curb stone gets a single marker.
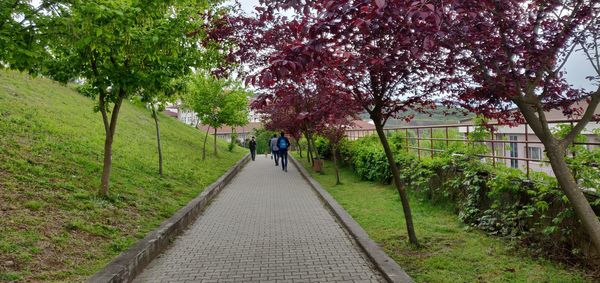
(130, 263)
(386, 265)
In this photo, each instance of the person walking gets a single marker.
(269, 149)
(274, 149)
(252, 147)
(283, 144)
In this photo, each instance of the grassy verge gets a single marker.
(451, 251)
(53, 227)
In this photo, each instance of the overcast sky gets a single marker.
(248, 5)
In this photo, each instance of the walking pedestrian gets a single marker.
(252, 147)
(274, 149)
(283, 144)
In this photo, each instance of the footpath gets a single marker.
(265, 226)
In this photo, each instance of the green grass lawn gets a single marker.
(53, 227)
(451, 251)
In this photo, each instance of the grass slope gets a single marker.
(451, 252)
(53, 227)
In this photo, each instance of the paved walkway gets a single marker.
(266, 225)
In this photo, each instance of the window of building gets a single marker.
(535, 153)
(514, 151)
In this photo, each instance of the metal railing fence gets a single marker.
(431, 139)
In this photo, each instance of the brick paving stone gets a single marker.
(265, 226)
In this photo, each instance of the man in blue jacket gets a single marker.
(283, 144)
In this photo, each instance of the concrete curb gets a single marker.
(386, 265)
(130, 263)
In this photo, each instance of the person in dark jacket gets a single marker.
(252, 147)
(283, 144)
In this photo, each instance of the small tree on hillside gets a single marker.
(236, 109)
(217, 102)
(156, 99)
(120, 47)
(156, 104)
(156, 107)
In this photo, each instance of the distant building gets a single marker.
(517, 144)
(360, 128)
(171, 112)
(185, 116)
(225, 132)
(189, 117)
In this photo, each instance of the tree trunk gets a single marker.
(160, 156)
(314, 153)
(299, 148)
(204, 146)
(215, 142)
(580, 204)
(397, 182)
(556, 156)
(309, 154)
(110, 128)
(232, 139)
(335, 165)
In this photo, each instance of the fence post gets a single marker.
(493, 148)
(468, 141)
(447, 137)
(407, 145)
(418, 144)
(573, 153)
(526, 148)
(431, 141)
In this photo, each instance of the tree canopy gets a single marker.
(393, 56)
(126, 48)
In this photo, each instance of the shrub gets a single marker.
(501, 201)
(262, 140)
(323, 147)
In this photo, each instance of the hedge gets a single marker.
(532, 212)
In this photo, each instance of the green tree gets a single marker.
(121, 47)
(156, 101)
(235, 113)
(217, 102)
(24, 32)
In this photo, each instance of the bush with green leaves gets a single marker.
(501, 201)
(323, 147)
(585, 163)
(262, 140)
(367, 158)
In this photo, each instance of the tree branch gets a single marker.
(589, 56)
(101, 96)
(528, 112)
(585, 119)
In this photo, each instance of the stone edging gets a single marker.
(130, 263)
(386, 265)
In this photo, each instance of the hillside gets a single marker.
(442, 115)
(53, 227)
